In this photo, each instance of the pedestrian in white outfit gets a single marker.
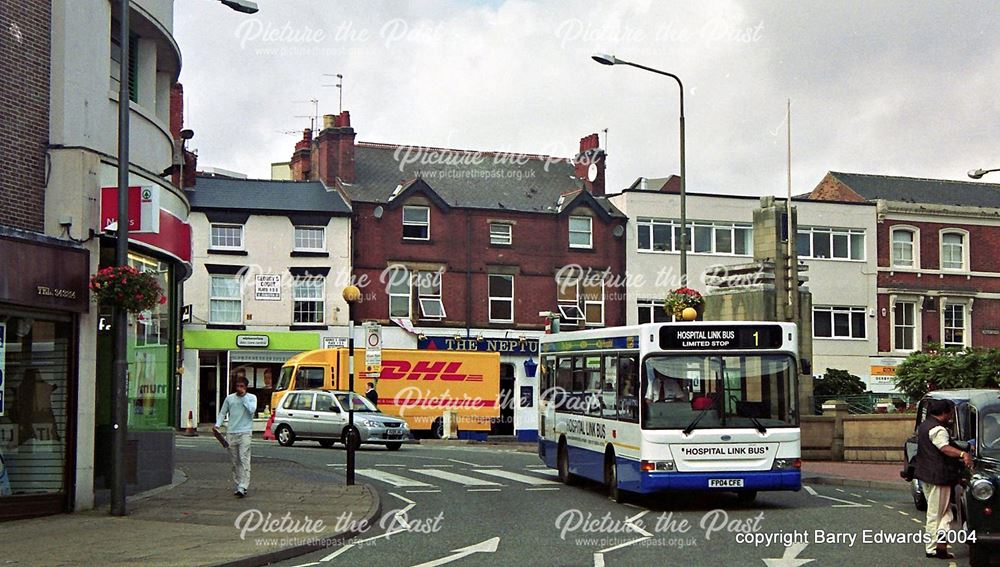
(239, 407)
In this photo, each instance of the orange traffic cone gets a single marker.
(268, 435)
(190, 431)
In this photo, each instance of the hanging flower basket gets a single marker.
(682, 298)
(127, 288)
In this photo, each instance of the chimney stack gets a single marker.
(591, 154)
(334, 149)
(301, 163)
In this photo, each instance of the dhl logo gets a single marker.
(424, 370)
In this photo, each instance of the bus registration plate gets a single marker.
(725, 483)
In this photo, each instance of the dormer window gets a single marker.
(416, 223)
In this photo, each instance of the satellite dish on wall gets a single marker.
(618, 231)
(592, 172)
(379, 211)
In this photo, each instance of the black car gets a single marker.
(977, 500)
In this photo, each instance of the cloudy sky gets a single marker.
(896, 88)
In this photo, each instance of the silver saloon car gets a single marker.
(321, 415)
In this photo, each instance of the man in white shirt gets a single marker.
(665, 389)
(239, 407)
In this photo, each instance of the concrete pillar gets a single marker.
(837, 409)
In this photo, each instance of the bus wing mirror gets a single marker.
(807, 366)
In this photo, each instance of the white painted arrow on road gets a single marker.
(843, 503)
(488, 546)
(790, 558)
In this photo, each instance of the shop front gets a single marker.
(42, 295)
(215, 358)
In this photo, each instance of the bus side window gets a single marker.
(628, 388)
(564, 382)
(548, 370)
(609, 388)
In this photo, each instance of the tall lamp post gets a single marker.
(605, 59)
(352, 295)
(119, 378)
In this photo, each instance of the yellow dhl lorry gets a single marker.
(419, 386)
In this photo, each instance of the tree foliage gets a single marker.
(838, 383)
(947, 368)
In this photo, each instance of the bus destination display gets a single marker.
(727, 337)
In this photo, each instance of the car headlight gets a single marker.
(982, 489)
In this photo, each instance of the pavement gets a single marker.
(859, 474)
(194, 520)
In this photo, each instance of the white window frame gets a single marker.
(295, 239)
(850, 311)
(966, 322)
(431, 298)
(492, 298)
(651, 307)
(408, 295)
(317, 281)
(589, 232)
(914, 248)
(211, 237)
(650, 225)
(237, 299)
(832, 233)
(915, 327)
(504, 236)
(965, 249)
(587, 302)
(426, 223)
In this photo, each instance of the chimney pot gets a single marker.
(329, 121)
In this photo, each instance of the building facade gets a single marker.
(938, 273)
(271, 259)
(836, 241)
(463, 249)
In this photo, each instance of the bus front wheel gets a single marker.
(615, 493)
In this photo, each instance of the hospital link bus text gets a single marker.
(673, 406)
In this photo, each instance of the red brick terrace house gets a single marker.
(938, 267)
(462, 249)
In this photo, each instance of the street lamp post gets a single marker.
(119, 377)
(604, 59)
(351, 295)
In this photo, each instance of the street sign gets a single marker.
(268, 287)
(333, 342)
(373, 347)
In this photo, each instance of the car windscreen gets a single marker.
(357, 403)
(285, 379)
(989, 433)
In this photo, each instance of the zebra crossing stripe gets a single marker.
(389, 478)
(457, 478)
(516, 477)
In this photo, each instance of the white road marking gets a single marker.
(526, 479)
(455, 477)
(397, 466)
(856, 495)
(599, 556)
(888, 506)
(840, 490)
(404, 499)
(488, 546)
(904, 513)
(537, 467)
(843, 503)
(389, 478)
(870, 500)
(484, 490)
(423, 491)
(790, 558)
(336, 465)
(551, 474)
(916, 521)
(308, 564)
(463, 462)
(542, 488)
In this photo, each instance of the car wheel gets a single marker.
(326, 443)
(746, 498)
(919, 500)
(351, 438)
(393, 446)
(285, 435)
(978, 555)
(615, 493)
(562, 464)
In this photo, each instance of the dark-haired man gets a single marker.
(239, 407)
(935, 466)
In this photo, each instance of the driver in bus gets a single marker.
(665, 389)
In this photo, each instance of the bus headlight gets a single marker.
(656, 466)
(982, 489)
(786, 464)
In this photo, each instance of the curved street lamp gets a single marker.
(979, 173)
(605, 59)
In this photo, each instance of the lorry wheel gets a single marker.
(285, 435)
(437, 428)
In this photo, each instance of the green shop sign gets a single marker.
(231, 340)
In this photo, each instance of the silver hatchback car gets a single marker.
(321, 415)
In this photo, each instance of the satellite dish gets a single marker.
(379, 211)
(592, 172)
(618, 231)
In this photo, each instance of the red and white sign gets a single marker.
(143, 208)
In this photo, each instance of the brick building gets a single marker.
(938, 271)
(457, 244)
